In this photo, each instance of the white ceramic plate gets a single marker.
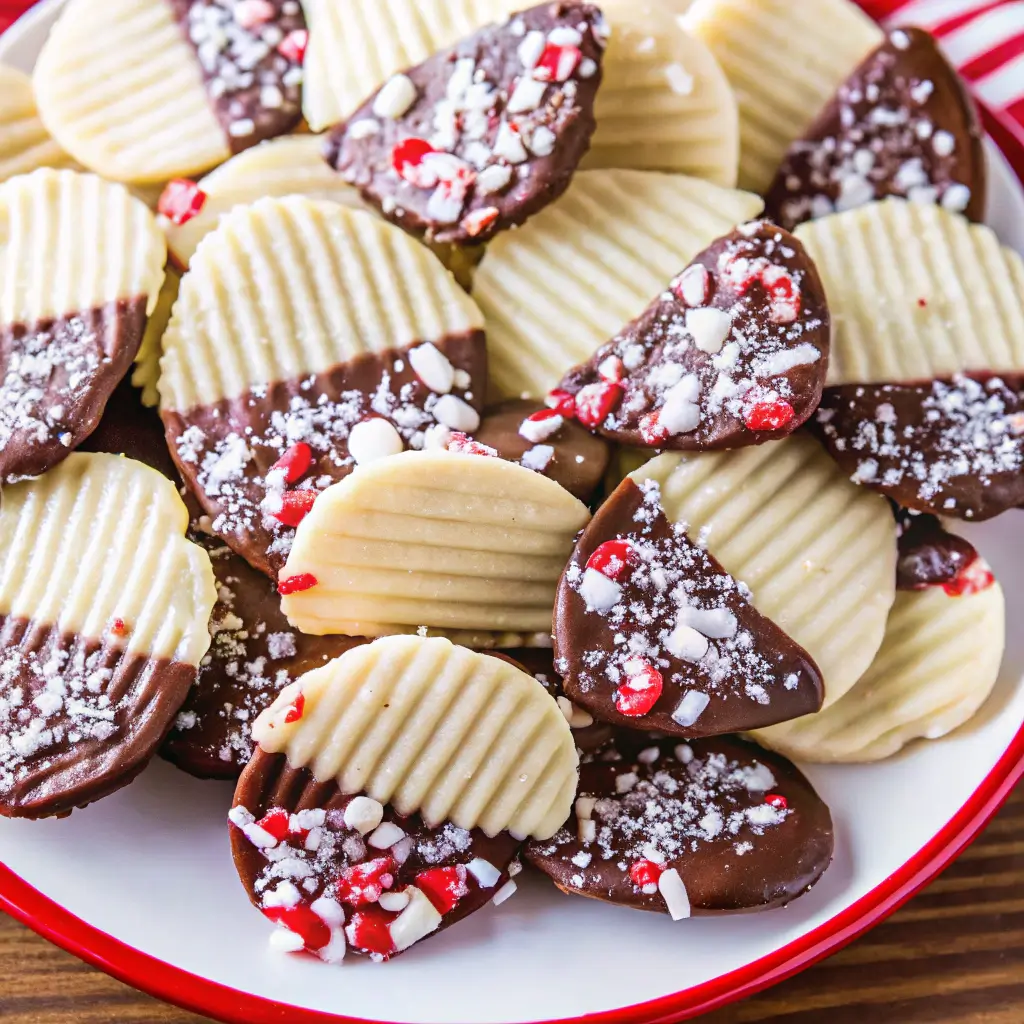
(142, 884)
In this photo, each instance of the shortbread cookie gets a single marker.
(712, 827)
(483, 135)
(254, 654)
(355, 45)
(528, 432)
(664, 104)
(147, 362)
(733, 352)
(903, 124)
(81, 263)
(25, 145)
(587, 733)
(917, 292)
(103, 622)
(374, 347)
(563, 284)
(784, 60)
(438, 539)
(952, 447)
(293, 165)
(431, 729)
(652, 633)
(816, 554)
(941, 657)
(148, 90)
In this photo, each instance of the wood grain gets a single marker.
(954, 955)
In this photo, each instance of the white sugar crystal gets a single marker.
(484, 872)
(540, 430)
(528, 95)
(395, 98)
(531, 48)
(330, 911)
(364, 814)
(283, 940)
(417, 921)
(716, 623)
(687, 644)
(508, 889)
(673, 891)
(600, 593)
(455, 413)
(374, 439)
(690, 708)
(709, 327)
(538, 458)
(385, 836)
(394, 902)
(433, 367)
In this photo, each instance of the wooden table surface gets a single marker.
(953, 955)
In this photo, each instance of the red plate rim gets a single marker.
(200, 995)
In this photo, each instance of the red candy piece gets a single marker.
(465, 445)
(296, 584)
(783, 294)
(770, 415)
(645, 872)
(295, 506)
(295, 462)
(181, 200)
(596, 402)
(370, 930)
(651, 429)
(301, 920)
(776, 800)
(366, 882)
(562, 403)
(293, 46)
(297, 709)
(557, 63)
(444, 887)
(640, 692)
(611, 558)
(408, 155)
(612, 369)
(118, 628)
(973, 579)
(275, 823)
(543, 414)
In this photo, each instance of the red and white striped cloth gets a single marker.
(983, 38)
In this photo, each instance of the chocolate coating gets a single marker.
(903, 124)
(578, 459)
(704, 808)
(929, 556)
(506, 155)
(79, 717)
(254, 654)
(753, 675)
(225, 450)
(268, 782)
(754, 373)
(951, 447)
(253, 82)
(55, 379)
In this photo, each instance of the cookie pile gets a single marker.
(487, 479)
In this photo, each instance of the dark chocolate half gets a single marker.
(588, 733)
(55, 379)
(652, 633)
(226, 450)
(903, 124)
(251, 59)
(734, 352)
(79, 717)
(951, 447)
(254, 654)
(742, 827)
(929, 556)
(528, 432)
(323, 850)
(483, 135)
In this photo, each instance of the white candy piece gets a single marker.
(673, 891)
(417, 921)
(455, 413)
(395, 98)
(330, 911)
(364, 814)
(687, 643)
(538, 458)
(709, 327)
(690, 708)
(373, 439)
(433, 367)
(385, 836)
(716, 623)
(508, 889)
(585, 807)
(284, 940)
(587, 830)
(599, 592)
(540, 430)
(394, 902)
(484, 872)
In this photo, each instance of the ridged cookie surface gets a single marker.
(437, 539)
(938, 664)
(25, 144)
(784, 60)
(563, 284)
(434, 729)
(818, 554)
(917, 292)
